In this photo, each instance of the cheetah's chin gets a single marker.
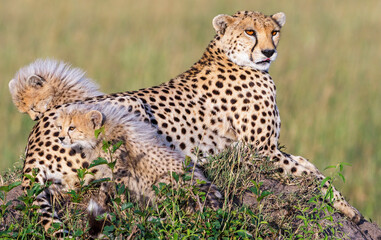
(65, 145)
(263, 65)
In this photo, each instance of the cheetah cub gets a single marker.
(47, 83)
(141, 161)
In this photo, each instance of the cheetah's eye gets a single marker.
(250, 32)
(59, 128)
(274, 33)
(71, 128)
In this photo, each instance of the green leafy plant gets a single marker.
(180, 212)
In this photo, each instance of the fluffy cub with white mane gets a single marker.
(46, 83)
(141, 161)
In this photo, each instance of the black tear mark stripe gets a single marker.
(252, 50)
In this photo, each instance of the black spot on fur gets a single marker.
(72, 152)
(85, 164)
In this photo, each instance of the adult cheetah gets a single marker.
(225, 97)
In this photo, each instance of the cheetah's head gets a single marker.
(250, 39)
(46, 83)
(76, 128)
(34, 97)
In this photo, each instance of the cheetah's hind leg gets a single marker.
(298, 166)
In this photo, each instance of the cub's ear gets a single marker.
(12, 86)
(36, 81)
(280, 18)
(95, 119)
(220, 22)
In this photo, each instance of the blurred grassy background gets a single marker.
(327, 73)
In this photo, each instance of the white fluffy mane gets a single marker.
(135, 129)
(58, 74)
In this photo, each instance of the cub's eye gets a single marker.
(250, 32)
(59, 128)
(71, 128)
(274, 33)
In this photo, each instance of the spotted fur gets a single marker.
(220, 100)
(47, 83)
(141, 161)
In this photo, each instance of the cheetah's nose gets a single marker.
(61, 138)
(268, 52)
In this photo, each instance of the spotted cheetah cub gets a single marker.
(141, 161)
(47, 83)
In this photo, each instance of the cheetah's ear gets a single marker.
(280, 18)
(36, 81)
(220, 22)
(12, 86)
(95, 119)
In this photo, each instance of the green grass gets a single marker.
(253, 207)
(327, 71)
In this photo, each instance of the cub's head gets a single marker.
(248, 38)
(77, 128)
(43, 84)
(33, 96)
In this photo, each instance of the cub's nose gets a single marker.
(268, 52)
(61, 138)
